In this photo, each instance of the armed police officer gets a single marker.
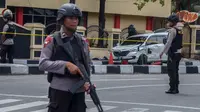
(173, 50)
(61, 49)
(7, 38)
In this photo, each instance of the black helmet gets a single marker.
(7, 14)
(173, 18)
(68, 10)
(131, 26)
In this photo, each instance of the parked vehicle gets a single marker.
(141, 49)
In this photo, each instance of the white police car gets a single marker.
(141, 49)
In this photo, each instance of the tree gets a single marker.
(141, 3)
(177, 5)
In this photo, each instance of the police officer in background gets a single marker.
(131, 30)
(7, 38)
(173, 50)
(63, 73)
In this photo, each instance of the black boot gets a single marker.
(172, 89)
(176, 88)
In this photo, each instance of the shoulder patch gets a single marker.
(83, 38)
(48, 39)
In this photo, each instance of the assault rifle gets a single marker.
(92, 89)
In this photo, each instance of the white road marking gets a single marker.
(172, 111)
(115, 87)
(138, 86)
(43, 110)
(114, 102)
(105, 108)
(136, 110)
(149, 104)
(144, 79)
(25, 96)
(134, 86)
(106, 88)
(8, 101)
(22, 106)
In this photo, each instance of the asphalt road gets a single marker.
(125, 93)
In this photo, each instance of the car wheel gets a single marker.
(142, 60)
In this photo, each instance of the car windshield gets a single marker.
(134, 40)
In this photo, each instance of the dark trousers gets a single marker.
(173, 67)
(61, 101)
(6, 50)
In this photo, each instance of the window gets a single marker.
(156, 39)
(28, 19)
(28, 15)
(134, 40)
(83, 21)
(37, 11)
(50, 13)
(50, 20)
(197, 40)
(28, 10)
(115, 39)
(50, 25)
(160, 38)
(38, 37)
(39, 19)
(2, 3)
(12, 9)
(152, 40)
(37, 53)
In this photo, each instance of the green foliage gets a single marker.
(141, 3)
(183, 5)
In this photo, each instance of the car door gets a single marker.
(152, 48)
(161, 46)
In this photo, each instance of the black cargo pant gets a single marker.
(6, 50)
(173, 67)
(62, 101)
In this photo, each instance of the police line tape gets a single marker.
(91, 38)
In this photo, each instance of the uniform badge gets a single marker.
(47, 40)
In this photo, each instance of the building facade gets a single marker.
(119, 13)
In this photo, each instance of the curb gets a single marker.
(18, 69)
(185, 63)
(143, 69)
(104, 62)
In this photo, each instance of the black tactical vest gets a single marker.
(10, 31)
(177, 41)
(60, 54)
